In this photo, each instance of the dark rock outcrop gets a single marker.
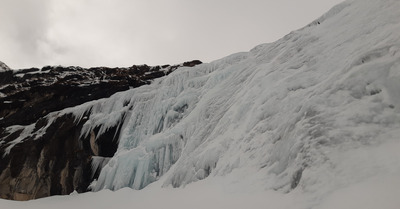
(58, 160)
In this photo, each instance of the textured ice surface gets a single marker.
(284, 110)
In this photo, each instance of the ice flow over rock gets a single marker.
(310, 111)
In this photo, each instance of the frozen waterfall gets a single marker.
(288, 113)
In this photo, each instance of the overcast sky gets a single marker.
(35, 33)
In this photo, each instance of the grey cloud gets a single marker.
(126, 32)
(24, 24)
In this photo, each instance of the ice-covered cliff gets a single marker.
(312, 112)
(41, 151)
(292, 113)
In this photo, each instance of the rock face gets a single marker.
(51, 157)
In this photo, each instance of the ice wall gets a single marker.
(281, 113)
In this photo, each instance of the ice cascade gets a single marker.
(283, 114)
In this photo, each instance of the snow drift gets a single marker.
(311, 113)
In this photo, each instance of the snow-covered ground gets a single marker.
(309, 121)
(216, 193)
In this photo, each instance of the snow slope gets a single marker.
(3, 67)
(313, 119)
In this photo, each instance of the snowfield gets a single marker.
(215, 193)
(309, 121)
